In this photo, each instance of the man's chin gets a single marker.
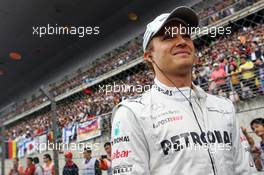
(183, 69)
(183, 61)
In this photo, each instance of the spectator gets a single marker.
(257, 125)
(235, 80)
(70, 167)
(248, 77)
(30, 169)
(90, 165)
(218, 76)
(48, 166)
(39, 170)
(106, 162)
(260, 72)
(17, 168)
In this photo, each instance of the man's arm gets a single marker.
(97, 168)
(257, 159)
(64, 172)
(76, 169)
(212, 77)
(53, 170)
(130, 150)
(250, 66)
(248, 137)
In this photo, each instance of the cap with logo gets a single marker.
(183, 14)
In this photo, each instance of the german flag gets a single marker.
(11, 149)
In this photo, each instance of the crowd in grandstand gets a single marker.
(220, 66)
(106, 63)
(126, 53)
(221, 9)
(224, 57)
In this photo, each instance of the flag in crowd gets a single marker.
(88, 130)
(68, 133)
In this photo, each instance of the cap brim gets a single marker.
(186, 14)
(182, 14)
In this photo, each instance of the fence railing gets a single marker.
(236, 86)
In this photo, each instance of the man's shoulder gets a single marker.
(220, 101)
(139, 100)
(241, 66)
(135, 104)
(95, 159)
(75, 165)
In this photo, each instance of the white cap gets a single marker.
(182, 13)
(215, 64)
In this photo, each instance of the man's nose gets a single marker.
(180, 41)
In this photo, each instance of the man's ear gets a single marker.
(147, 56)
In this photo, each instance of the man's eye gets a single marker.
(166, 37)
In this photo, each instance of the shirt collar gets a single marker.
(196, 92)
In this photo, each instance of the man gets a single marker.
(257, 125)
(70, 168)
(260, 73)
(248, 76)
(90, 164)
(30, 169)
(218, 76)
(48, 166)
(175, 127)
(17, 168)
(39, 169)
(105, 162)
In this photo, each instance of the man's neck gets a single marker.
(179, 81)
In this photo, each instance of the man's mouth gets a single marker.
(181, 52)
